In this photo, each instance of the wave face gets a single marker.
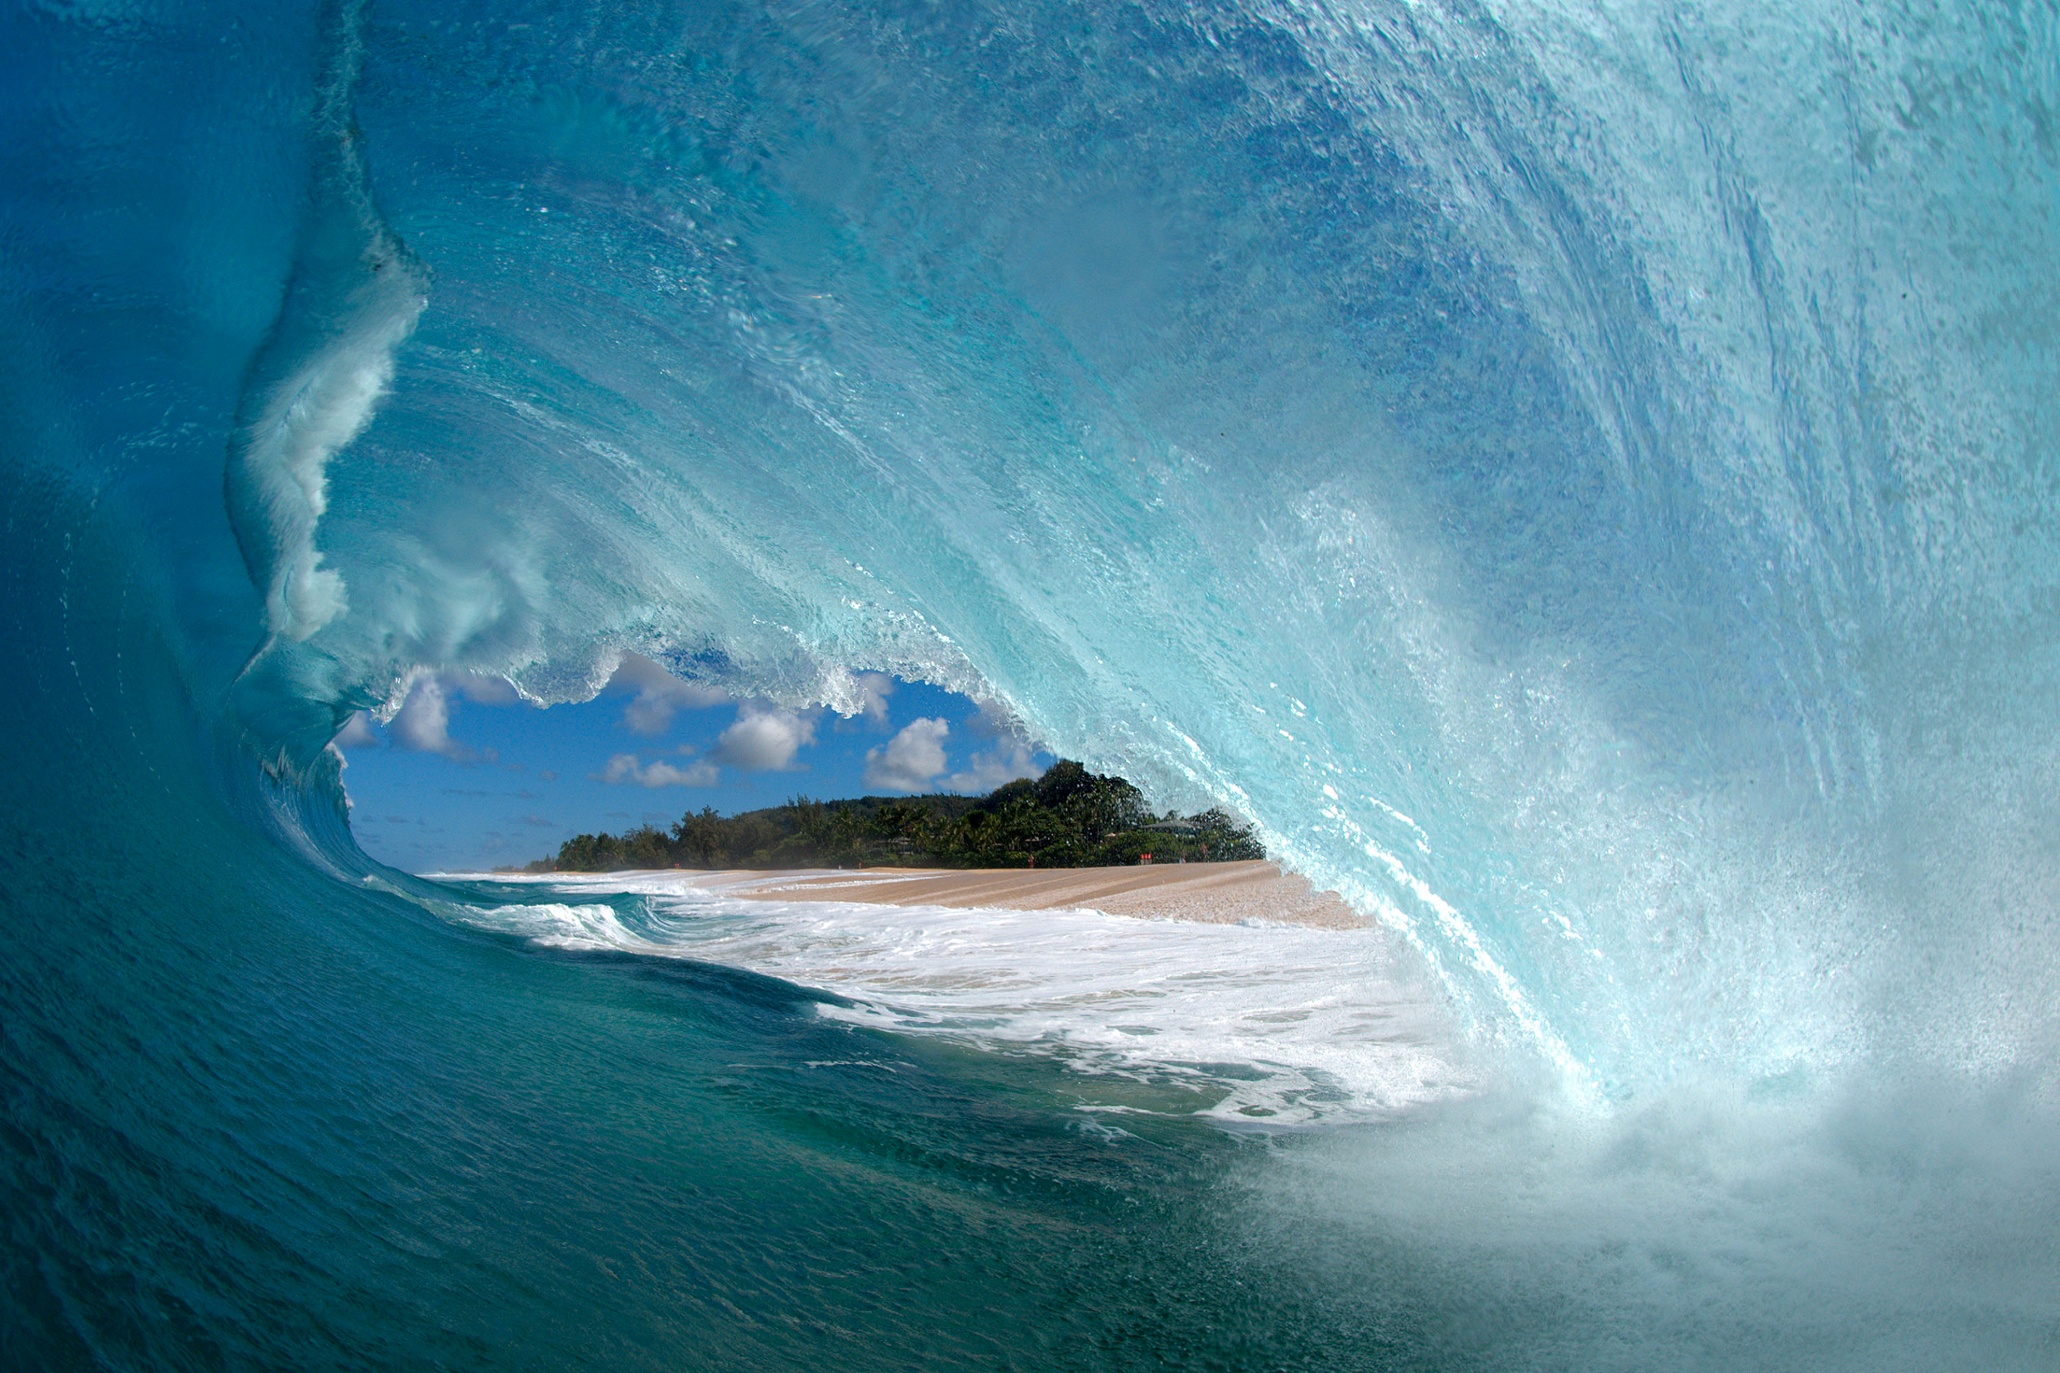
(1583, 483)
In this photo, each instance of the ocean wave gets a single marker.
(1579, 483)
(1256, 1023)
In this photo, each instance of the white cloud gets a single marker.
(877, 687)
(356, 732)
(910, 760)
(659, 694)
(423, 722)
(701, 774)
(624, 770)
(1009, 756)
(1004, 763)
(764, 739)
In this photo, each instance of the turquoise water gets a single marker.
(1582, 484)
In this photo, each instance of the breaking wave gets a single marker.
(1581, 483)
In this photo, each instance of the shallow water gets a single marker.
(1238, 1023)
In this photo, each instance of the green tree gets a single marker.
(1069, 817)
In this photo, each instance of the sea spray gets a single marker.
(1581, 484)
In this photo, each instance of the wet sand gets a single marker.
(1215, 893)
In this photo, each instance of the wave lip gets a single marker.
(354, 297)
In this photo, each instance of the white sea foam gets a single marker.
(1280, 1024)
(354, 298)
(314, 414)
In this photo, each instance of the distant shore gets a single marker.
(1213, 893)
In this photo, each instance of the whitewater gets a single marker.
(1580, 480)
(1250, 1022)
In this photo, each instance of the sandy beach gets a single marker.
(1215, 893)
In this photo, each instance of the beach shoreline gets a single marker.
(1208, 893)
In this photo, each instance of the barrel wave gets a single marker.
(1584, 483)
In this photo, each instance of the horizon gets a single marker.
(468, 776)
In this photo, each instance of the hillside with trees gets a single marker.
(1068, 818)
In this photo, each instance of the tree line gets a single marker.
(1068, 818)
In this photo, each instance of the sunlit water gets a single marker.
(1580, 482)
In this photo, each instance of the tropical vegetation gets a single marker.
(1068, 818)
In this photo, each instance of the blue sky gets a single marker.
(467, 775)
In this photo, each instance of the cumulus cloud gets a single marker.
(356, 732)
(991, 768)
(870, 691)
(658, 694)
(910, 760)
(1009, 753)
(423, 722)
(624, 769)
(877, 686)
(764, 739)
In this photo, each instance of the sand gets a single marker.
(1215, 893)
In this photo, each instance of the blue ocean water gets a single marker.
(1581, 481)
